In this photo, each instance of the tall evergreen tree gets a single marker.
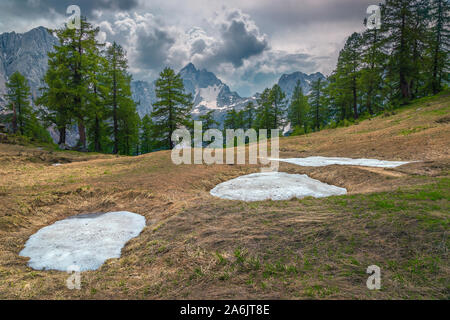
(264, 114)
(398, 21)
(69, 76)
(146, 137)
(371, 77)
(234, 119)
(18, 97)
(278, 101)
(128, 127)
(349, 66)
(249, 115)
(97, 100)
(439, 42)
(316, 99)
(118, 87)
(298, 108)
(172, 110)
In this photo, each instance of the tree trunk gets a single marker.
(116, 126)
(82, 133)
(355, 100)
(62, 135)
(404, 85)
(14, 118)
(436, 81)
(97, 146)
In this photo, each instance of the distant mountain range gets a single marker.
(210, 93)
(27, 53)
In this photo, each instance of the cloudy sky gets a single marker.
(248, 44)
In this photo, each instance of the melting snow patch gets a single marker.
(274, 186)
(86, 241)
(327, 161)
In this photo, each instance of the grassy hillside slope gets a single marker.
(200, 247)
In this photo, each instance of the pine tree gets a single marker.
(118, 83)
(316, 100)
(234, 119)
(172, 110)
(397, 28)
(371, 77)
(146, 137)
(264, 114)
(349, 66)
(249, 115)
(18, 98)
(128, 127)
(419, 34)
(97, 100)
(298, 108)
(55, 94)
(439, 43)
(68, 77)
(278, 100)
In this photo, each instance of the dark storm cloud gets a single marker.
(43, 8)
(239, 44)
(238, 40)
(152, 48)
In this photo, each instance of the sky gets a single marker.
(248, 44)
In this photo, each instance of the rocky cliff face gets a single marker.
(26, 53)
(143, 93)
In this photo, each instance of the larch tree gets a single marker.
(18, 98)
(298, 108)
(316, 101)
(172, 109)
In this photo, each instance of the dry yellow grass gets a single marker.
(197, 246)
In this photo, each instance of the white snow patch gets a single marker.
(86, 241)
(274, 186)
(327, 161)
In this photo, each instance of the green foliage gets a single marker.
(36, 131)
(298, 110)
(249, 115)
(146, 138)
(380, 70)
(234, 119)
(91, 87)
(18, 97)
(318, 112)
(172, 110)
(271, 110)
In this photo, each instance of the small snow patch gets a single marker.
(86, 241)
(327, 161)
(274, 186)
